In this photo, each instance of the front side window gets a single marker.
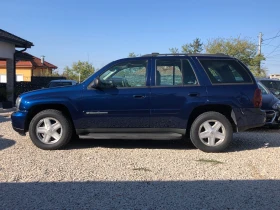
(225, 71)
(126, 74)
(174, 72)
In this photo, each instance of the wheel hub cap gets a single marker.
(49, 130)
(212, 133)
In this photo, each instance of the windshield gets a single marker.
(263, 89)
(271, 84)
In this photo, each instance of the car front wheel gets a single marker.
(50, 130)
(211, 132)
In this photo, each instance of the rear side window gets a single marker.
(174, 72)
(225, 71)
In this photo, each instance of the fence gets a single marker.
(43, 81)
(22, 87)
(2, 92)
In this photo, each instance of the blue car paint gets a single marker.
(268, 101)
(160, 107)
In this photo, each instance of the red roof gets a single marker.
(33, 62)
(37, 63)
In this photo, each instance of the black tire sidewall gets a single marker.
(66, 127)
(211, 116)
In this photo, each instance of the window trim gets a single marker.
(215, 84)
(181, 62)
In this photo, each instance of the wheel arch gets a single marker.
(41, 107)
(223, 109)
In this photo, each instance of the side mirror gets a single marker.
(96, 83)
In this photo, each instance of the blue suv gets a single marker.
(203, 97)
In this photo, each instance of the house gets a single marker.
(274, 76)
(27, 66)
(8, 53)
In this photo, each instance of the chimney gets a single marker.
(42, 59)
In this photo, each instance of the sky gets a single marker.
(100, 31)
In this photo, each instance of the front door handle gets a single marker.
(139, 96)
(193, 94)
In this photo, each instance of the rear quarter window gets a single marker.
(225, 71)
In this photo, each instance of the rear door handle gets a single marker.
(139, 96)
(193, 94)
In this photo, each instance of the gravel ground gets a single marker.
(123, 174)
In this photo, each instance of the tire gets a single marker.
(217, 137)
(50, 130)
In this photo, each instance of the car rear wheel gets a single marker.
(211, 132)
(50, 130)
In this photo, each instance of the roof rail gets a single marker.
(184, 54)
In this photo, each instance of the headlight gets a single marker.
(276, 106)
(18, 102)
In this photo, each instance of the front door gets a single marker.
(124, 100)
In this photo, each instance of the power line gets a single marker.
(274, 50)
(272, 37)
(267, 45)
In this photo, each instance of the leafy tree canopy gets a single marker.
(84, 68)
(242, 49)
(194, 47)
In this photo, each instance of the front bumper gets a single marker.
(272, 117)
(19, 121)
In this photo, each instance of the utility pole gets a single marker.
(260, 44)
(260, 52)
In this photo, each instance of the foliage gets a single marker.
(242, 49)
(133, 55)
(174, 50)
(84, 68)
(194, 47)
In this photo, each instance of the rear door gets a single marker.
(232, 83)
(175, 91)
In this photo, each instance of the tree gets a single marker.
(195, 47)
(242, 49)
(133, 55)
(174, 50)
(82, 68)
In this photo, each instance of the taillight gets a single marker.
(257, 98)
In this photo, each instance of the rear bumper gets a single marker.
(247, 118)
(18, 121)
